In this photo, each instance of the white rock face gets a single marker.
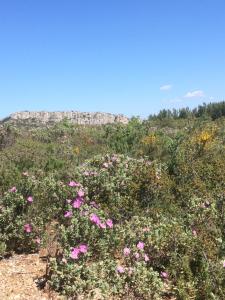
(82, 118)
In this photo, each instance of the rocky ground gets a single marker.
(19, 277)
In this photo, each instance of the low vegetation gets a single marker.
(132, 211)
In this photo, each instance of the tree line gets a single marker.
(212, 110)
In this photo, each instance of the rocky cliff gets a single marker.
(82, 118)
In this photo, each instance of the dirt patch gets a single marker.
(18, 278)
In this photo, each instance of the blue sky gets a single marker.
(121, 56)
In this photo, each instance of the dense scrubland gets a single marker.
(132, 211)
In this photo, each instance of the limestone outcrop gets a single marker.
(82, 118)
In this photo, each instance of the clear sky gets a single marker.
(121, 56)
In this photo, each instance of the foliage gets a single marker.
(213, 110)
(126, 211)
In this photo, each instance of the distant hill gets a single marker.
(82, 118)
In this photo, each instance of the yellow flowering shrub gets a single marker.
(149, 139)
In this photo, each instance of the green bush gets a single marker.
(147, 226)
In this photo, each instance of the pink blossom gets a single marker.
(77, 203)
(68, 214)
(206, 205)
(126, 251)
(95, 219)
(102, 225)
(109, 223)
(164, 275)
(113, 158)
(83, 248)
(136, 255)
(38, 240)
(30, 199)
(68, 201)
(84, 212)
(194, 232)
(140, 245)
(94, 204)
(80, 193)
(224, 263)
(25, 174)
(13, 189)
(64, 260)
(105, 165)
(27, 228)
(93, 173)
(73, 183)
(120, 269)
(130, 270)
(90, 173)
(75, 253)
(146, 258)
(146, 229)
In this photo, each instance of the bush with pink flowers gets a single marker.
(116, 226)
(16, 230)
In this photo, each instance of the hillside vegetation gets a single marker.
(132, 211)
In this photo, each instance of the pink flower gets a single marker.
(224, 263)
(94, 173)
(75, 253)
(164, 275)
(84, 212)
(64, 260)
(68, 214)
(105, 165)
(77, 203)
(207, 204)
(25, 174)
(83, 248)
(29, 199)
(77, 250)
(113, 158)
(146, 229)
(194, 232)
(27, 228)
(94, 204)
(95, 219)
(80, 193)
(109, 223)
(140, 245)
(120, 269)
(102, 225)
(73, 183)
(38, 240)
(136, 255)
(13, 190)
(130, 270)
(126, 251)
(68, 201)
(146, 258)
